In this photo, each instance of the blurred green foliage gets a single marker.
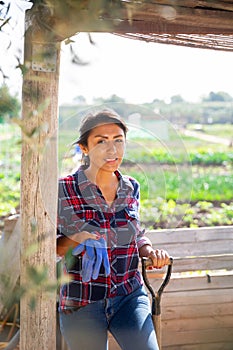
(9, 104)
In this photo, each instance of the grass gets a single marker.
(181, 184)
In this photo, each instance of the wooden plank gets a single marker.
(190, 249)
(190, 324)
(200, 263)
(185, 311)
(195, 242)
(196, 337)
(225, 230)
(203, 263)
(191, 234)
(191, 284)
(203, 297)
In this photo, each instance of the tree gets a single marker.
(80, 100)
(114, 99)
(219, 96)
(177, 99)
(9, 105)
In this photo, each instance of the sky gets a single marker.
(141, 72)
(137, 71)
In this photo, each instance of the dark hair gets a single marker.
(100, 118)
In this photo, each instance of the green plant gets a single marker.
(159, 213)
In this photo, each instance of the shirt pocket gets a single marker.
(127, 228)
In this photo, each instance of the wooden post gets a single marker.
(39, 184)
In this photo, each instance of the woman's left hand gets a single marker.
(159, 257)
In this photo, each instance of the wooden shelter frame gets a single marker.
(207, 24)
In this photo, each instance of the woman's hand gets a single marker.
(65, 243)
(80, 237)
(159, 257)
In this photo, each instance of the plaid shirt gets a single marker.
(81, 206)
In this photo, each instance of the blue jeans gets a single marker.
(128, 318)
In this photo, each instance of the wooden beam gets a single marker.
(226, 5)
(156, 25)
(170, 17)
(39, 186)
(153, 18)
(161, 26)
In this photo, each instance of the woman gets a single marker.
(98, 220)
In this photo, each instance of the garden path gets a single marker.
(209, 138)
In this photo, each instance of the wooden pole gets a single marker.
(39, 187)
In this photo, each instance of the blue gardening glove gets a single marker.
(101, 257)
(95, 254)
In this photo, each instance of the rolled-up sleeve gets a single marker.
(65, 226)
(142, 239)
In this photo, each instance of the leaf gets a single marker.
(4, 23)
(33, 248)
(24, 69)
(69, 41)
(8, 8)
(37, 275)
(90, 39)
(76, 59)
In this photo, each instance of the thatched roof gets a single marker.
(204, 41)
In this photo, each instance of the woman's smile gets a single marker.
(109, 160)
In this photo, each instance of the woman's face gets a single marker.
(105, 147)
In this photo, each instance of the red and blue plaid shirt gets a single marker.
(82, 207)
